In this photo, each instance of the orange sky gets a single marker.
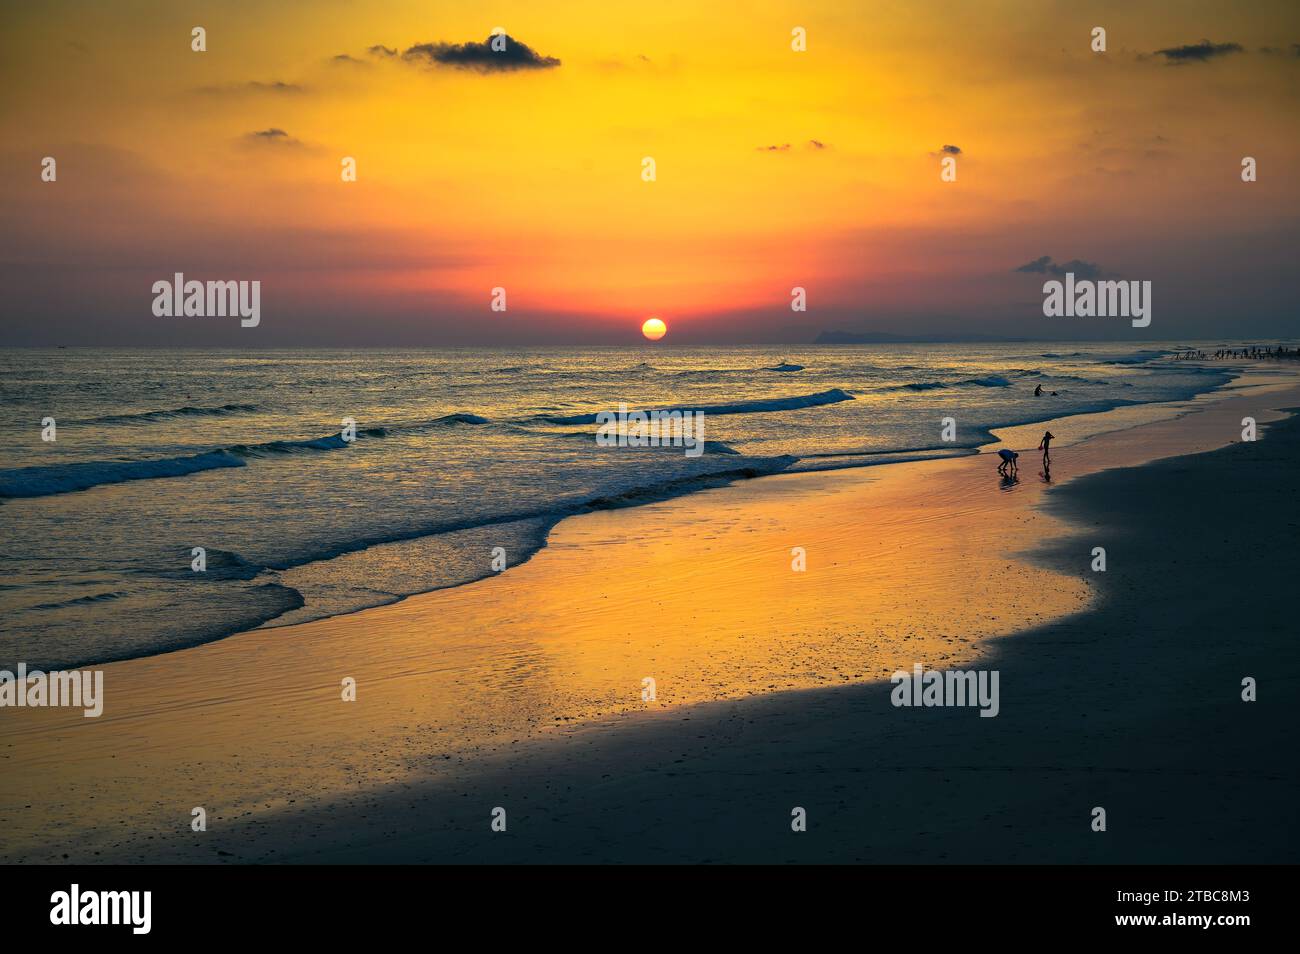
(531, 179)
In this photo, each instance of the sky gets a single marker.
(524, 169)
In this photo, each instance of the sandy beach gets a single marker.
(525, 690)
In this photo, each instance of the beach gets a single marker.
(524, 690)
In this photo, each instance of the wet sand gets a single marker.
(525, 690)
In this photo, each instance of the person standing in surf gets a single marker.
(1045, 445)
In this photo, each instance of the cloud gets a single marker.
(1198, 52)
(481, 57)
(641, 63)
(383, 51)
(272, 136)
(254, 86)
(1037, 265)
(348, 60)
(813, 144)
(1292, 52)
(276, 87)
(951, 150)
(1045, 266)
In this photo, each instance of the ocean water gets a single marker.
(457, 452)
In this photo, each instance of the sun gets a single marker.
(654, 328)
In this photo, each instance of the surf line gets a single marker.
(77, 688)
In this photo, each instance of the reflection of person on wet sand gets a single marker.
(1046, 472)
(1008, 466)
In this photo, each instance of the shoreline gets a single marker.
(540, 523)
(401, 734)
(658, 494)
(954, 788)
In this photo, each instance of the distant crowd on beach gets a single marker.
(1253, 353)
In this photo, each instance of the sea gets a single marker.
(189, 495)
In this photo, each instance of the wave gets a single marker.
(1139, 357)
(555, 511)
(263, 604)
(69, 478)
(330, 442)
(1075, 377)
(257, 605)
(833, 396)
(79, 601)
(838, 461)
(220, 565)
(326, 443)
(145, 417)
(988, 381)
(1051, 376)
(784, 366)
(51, 479)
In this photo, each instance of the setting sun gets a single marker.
(654, 328)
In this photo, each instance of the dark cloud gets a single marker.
(816, 144)
(380, 50)
(947, 150)
(481, 57)
(1292, 52)
(1037, 265)
(273, 136)
(1045, 266)
(1198, 52)
(347, 59)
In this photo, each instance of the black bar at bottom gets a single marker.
(300, 904)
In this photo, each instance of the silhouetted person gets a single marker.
(1045, 445)
(1008, 466)
(1038, 390)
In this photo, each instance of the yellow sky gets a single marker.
(532, 180)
